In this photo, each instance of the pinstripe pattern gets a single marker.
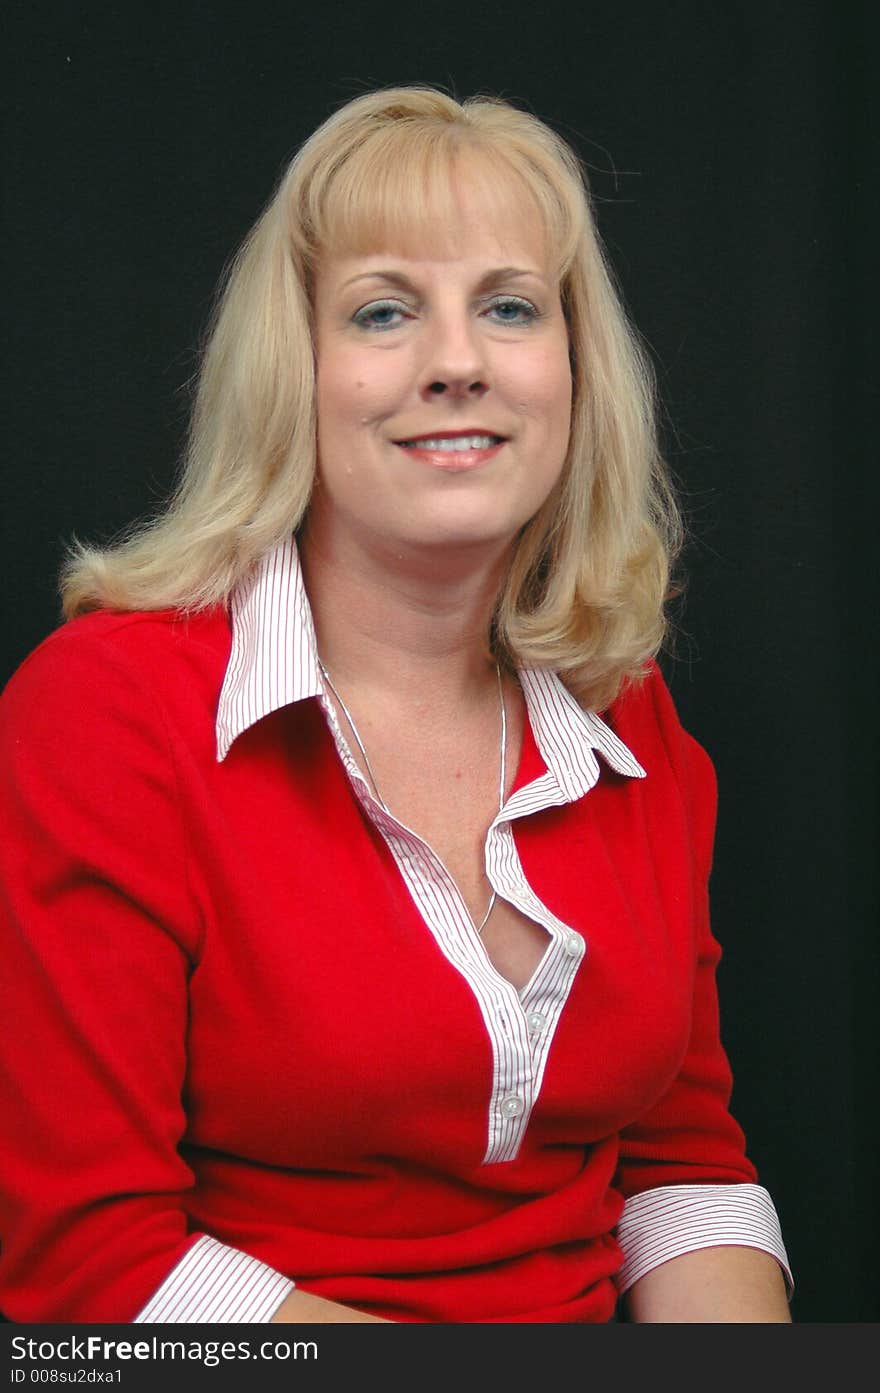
(216, 1284)
(273, 660)
(673, 1219)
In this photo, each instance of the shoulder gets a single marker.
(95, 729)
(645, 713)
(646, 720)
(154, 647)
(105, 673)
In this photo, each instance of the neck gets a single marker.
(408, 625)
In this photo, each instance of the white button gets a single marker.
(573, 945)
(536, 1022)
(511, 1106)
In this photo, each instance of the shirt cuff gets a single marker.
(669, 1220)
(216, 1284)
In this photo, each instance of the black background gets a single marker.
(731, 154)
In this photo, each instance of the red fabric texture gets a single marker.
(223, 1013)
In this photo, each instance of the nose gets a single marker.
(455, 359)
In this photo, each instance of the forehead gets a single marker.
(463, 205)
(482, 261)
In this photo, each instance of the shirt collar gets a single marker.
(273, 662)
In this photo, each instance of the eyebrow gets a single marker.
(486, 282)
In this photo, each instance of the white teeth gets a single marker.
(456, 442)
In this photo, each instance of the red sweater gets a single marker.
(223, 1014)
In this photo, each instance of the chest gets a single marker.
(337, 957)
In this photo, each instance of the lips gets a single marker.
(455, 444)
(453, 452)
(453, 440)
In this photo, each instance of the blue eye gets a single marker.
(377, 315)
(524, 311)
(381, 315)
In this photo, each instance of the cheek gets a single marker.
(354, 392)
(544, 390)
(336, 398)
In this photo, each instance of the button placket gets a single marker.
(519, 1030)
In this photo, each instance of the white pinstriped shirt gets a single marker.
(274, 662)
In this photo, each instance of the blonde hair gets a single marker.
(589, 575)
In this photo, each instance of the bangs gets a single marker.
(401, 191)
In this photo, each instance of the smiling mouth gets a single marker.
(452, 444)
(453, 454)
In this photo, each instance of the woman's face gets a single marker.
(443, 390)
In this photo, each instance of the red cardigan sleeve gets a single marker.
(689, 1135)
(98, 939)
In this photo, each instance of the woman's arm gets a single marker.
(99, 936)
(726, 1285)
(301, 1307)
(697, 1233)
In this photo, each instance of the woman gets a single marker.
(362, 971)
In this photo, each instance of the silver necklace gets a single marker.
(502, 777)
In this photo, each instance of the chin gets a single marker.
(468, 527)
(451, 538)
